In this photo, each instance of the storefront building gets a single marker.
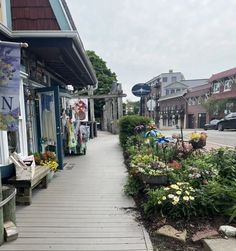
(55, 59)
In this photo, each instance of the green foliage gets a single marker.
(127, 125)
(105, 79)
(215, 107)
(131, 107)
(133, 186)
(218, 197)
(202, 183)
(225, 161)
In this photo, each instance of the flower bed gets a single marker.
(150, 154)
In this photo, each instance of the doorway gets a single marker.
(49, 124)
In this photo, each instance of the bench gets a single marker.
(24, 187)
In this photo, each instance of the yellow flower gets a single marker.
(164, 198)
(170, 196)
(159, 202)
(166, 188)
(187, 192)
(191, 197)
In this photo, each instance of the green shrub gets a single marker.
(127, 125)
(218, 198)
(133, 186)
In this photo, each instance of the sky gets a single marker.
(141, 39)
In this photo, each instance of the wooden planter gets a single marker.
(154, 180)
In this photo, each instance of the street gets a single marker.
(224, 138)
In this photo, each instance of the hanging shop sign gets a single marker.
(9, 85)
(80, 108)
(140, 90)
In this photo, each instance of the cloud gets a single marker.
(141, 39)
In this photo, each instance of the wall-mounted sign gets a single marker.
(141, 90)
(9, 85)
(151, 104)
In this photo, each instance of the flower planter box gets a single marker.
(154, 180)
(198, 144)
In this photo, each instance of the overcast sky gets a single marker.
(141, 39)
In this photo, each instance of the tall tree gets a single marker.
(105, 79)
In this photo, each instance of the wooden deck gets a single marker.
(84, 207)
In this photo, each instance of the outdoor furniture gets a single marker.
(25, 187)
(27, 179)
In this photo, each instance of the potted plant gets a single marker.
(198, 139)
(47, 159)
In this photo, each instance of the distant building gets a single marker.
(197, 114)
(223, 87)
(174, 105)
(158, 85)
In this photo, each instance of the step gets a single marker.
(220, 244)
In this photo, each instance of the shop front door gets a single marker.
(49, 126)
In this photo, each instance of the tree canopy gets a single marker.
(105, 79)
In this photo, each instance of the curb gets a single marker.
(147, 239)
(219, 244)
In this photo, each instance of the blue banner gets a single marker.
(9, 85)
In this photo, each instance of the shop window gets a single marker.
(13, 141)
(164, 79)
(173, 79)
(164, 122)
(216, 87)
(227, 85)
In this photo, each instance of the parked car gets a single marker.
(228, 122)
(212, 124)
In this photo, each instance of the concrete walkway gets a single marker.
(84, 207)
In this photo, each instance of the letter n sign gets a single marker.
(9, 85)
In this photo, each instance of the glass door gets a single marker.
(49, 126)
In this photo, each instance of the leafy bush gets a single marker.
(127, 126)
(133, 186)
(218, 197)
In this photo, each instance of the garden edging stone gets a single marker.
(219, 244)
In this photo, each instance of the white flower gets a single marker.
(179, 192)
(186, 198)
(171, 196)
(174, 186)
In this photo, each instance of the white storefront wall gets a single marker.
(23, 149)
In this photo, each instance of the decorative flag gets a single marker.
(9, 85)
(80, 107)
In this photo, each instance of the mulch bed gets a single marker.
(192, 226)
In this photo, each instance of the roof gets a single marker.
(174, 95)
(223, 74)
(194, 82)
(62, 52)
(33, 15)
(177, 84)
(157, 78)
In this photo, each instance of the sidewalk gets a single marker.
(84, 207)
